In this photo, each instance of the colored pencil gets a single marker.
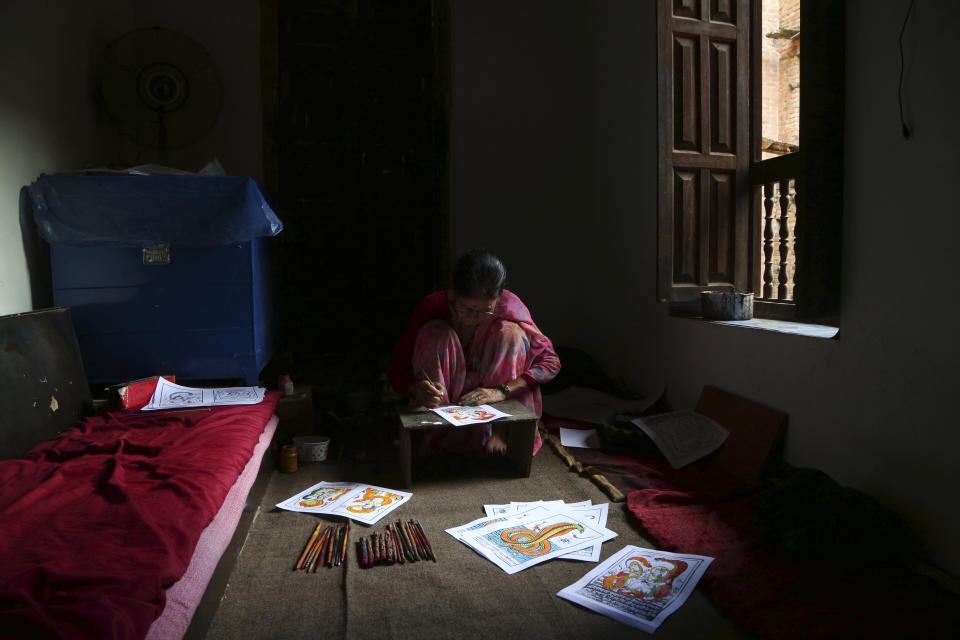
(422, 537)
(314, 557)
(336, 546)
(318, 560)
(396, 540)
(308, 546)
(322, 549)
(317, 546)
(407, 543)
(391, 551)
(414, 542)
(388, 534)
(424, 372)
(426, 541)
(327, 544)
(421, 551)
(417, 547)
(416, 539)
(396, 543)
(329, 550)
(388, 538)
(423, 542)
(343, 546)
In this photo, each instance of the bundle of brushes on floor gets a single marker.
(325, 546)
(399, 543)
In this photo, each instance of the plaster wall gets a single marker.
(555, 164)
(49, 121)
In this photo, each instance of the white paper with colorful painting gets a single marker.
(595, 513)
(639, 587)
(517, 544)
(457, 415)
(361, 502)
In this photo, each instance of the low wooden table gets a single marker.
(521, 429)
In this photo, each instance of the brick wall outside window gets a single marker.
(780, 72)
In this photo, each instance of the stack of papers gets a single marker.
(519, 535)
(361, 502)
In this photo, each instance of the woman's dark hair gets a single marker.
(479, 273)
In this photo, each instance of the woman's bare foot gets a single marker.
(497, 442)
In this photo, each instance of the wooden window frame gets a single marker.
(688, 248)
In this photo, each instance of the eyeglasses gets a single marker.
(472, 313)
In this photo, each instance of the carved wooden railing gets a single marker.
(779, 236)
(779, 216)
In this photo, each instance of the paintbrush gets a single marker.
(435, 385)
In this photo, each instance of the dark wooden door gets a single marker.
(703, 83)
(359, 161)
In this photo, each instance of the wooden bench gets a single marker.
(521, 429)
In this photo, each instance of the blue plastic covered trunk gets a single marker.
(187, 292)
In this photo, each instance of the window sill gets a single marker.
(811, 330)
(783, 326)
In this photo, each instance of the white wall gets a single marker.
(48, 119)
(554, 166)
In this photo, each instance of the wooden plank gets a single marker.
(755, 432)
(43, 389)
(419, 418)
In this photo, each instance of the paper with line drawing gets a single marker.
(683, 436)
(169, 395)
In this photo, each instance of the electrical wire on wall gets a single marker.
(905, 128)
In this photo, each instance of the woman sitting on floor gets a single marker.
(473, 344)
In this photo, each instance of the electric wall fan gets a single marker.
(160, 88)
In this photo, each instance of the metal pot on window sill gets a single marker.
(726, 305)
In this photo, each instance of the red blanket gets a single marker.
(96, 524)
(776, 595)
